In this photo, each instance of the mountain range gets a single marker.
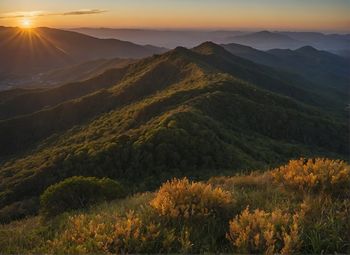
(327, 71)
(184, 112)
(263, 40)
(37, 50)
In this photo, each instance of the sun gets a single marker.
(26, 23)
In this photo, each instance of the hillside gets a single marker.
(327, 71)
(73, 73)
(280, 211)
(184, 112)
(30, 51)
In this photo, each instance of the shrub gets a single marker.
(263, 232)
(182, 198)
(315, 175)
(117, 234)
(78, 192)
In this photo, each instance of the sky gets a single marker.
(296, 15)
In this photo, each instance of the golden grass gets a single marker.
(182, 198)
(315, 175)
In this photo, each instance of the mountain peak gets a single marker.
(307, 49)
(209, 48)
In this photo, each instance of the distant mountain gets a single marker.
(343, 53)
(182, 112)
(265, 40)
(328, 42)
(163, 38)
(41, 49)
(329, 72)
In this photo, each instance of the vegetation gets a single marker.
(78, 192)
(199, 113)
(261, 216)
(185, 199)
(315, 175)
(262, 232)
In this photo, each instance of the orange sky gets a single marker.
(320, 15)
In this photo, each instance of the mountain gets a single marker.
(322, 65)
(328, 42)
(31, 51)
(180, 113)
(343, 53)
(265, 40)
(327, 71)
(73, 73)
(162, 38)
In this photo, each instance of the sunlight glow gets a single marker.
(26, 23)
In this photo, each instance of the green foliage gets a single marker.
(78, 192)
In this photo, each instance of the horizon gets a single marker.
(174, 29)
(208, 15)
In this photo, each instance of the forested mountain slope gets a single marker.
(183, 112)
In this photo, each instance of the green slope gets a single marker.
(184, 112)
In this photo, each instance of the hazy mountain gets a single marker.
(322, 68)
(78, 72)
(181, 112)
(343, 53)
(40, 49)
(265, 40)
(163, 38)
(329, 42)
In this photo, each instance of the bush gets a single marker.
(78, 192)
(184, 199)
(318, 175)
(117, 234)
(262, 232)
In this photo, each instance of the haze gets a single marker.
(316, 15)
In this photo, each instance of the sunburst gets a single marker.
(26, 23)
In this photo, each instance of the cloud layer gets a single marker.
(14, 15)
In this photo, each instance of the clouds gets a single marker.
(14, 15)
(84, 12)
